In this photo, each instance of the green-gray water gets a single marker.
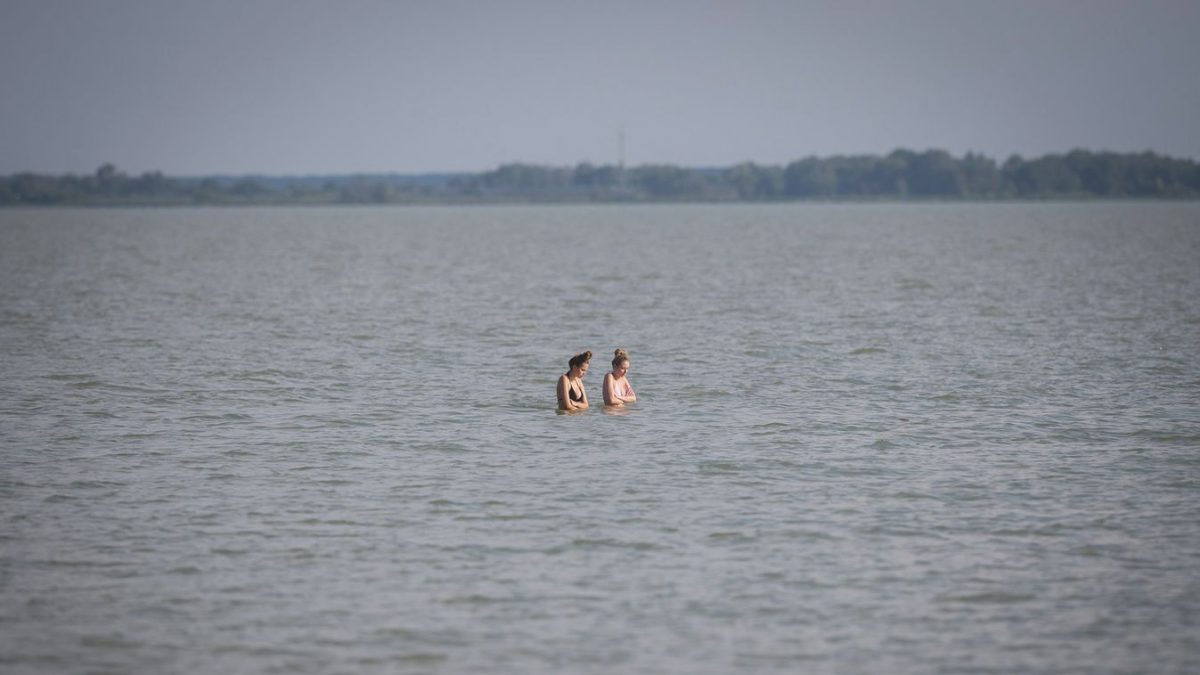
(901, 438)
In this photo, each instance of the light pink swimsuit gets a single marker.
(621, 387)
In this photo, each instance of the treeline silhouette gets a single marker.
(902, 174)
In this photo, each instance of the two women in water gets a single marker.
(572, 395)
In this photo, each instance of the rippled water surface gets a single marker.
(876, 438)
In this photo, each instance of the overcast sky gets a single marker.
(298, 86)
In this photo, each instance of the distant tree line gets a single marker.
(902, 174)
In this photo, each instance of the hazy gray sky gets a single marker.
(301, 86)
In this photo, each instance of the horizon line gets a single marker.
(570, 166)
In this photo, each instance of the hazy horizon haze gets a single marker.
(272, 87)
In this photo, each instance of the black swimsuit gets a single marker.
(571, 394)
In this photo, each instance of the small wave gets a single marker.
(108, 642)
(258, 650)
(730, 536)
(336, 521)
(761, 659)
(267, 376)
(808, 535)
(474, 599)
(139, 436)
(181, 601)
(770, 429)
(499, 517)
(230, 552)
(395, 633)
(914, 284)
(613, 543)
(903, 532)
(227, 417)
(991, 597)
(440, 446)
(867, 350)
(94, 484)
(916, 495)
(72, 377)
(80, 564)
(1166, 436)
(1051, 531)
(692, 392)
(718, 467)
(416, 658)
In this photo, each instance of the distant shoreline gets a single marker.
(648, 202)
(901, 176)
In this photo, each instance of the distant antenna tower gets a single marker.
(621, 155)
(621, 148)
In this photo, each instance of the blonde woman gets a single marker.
(572, 395)
(617, 390)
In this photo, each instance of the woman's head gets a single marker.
(620, 360)
(580, 361)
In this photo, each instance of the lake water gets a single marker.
(870, 438)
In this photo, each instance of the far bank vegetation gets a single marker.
(902, 174)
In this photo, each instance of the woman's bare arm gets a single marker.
(610, 394)
(564, 395)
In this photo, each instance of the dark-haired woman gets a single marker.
(617, 390)
(571, 393)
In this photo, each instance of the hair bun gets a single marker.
(619, 356)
